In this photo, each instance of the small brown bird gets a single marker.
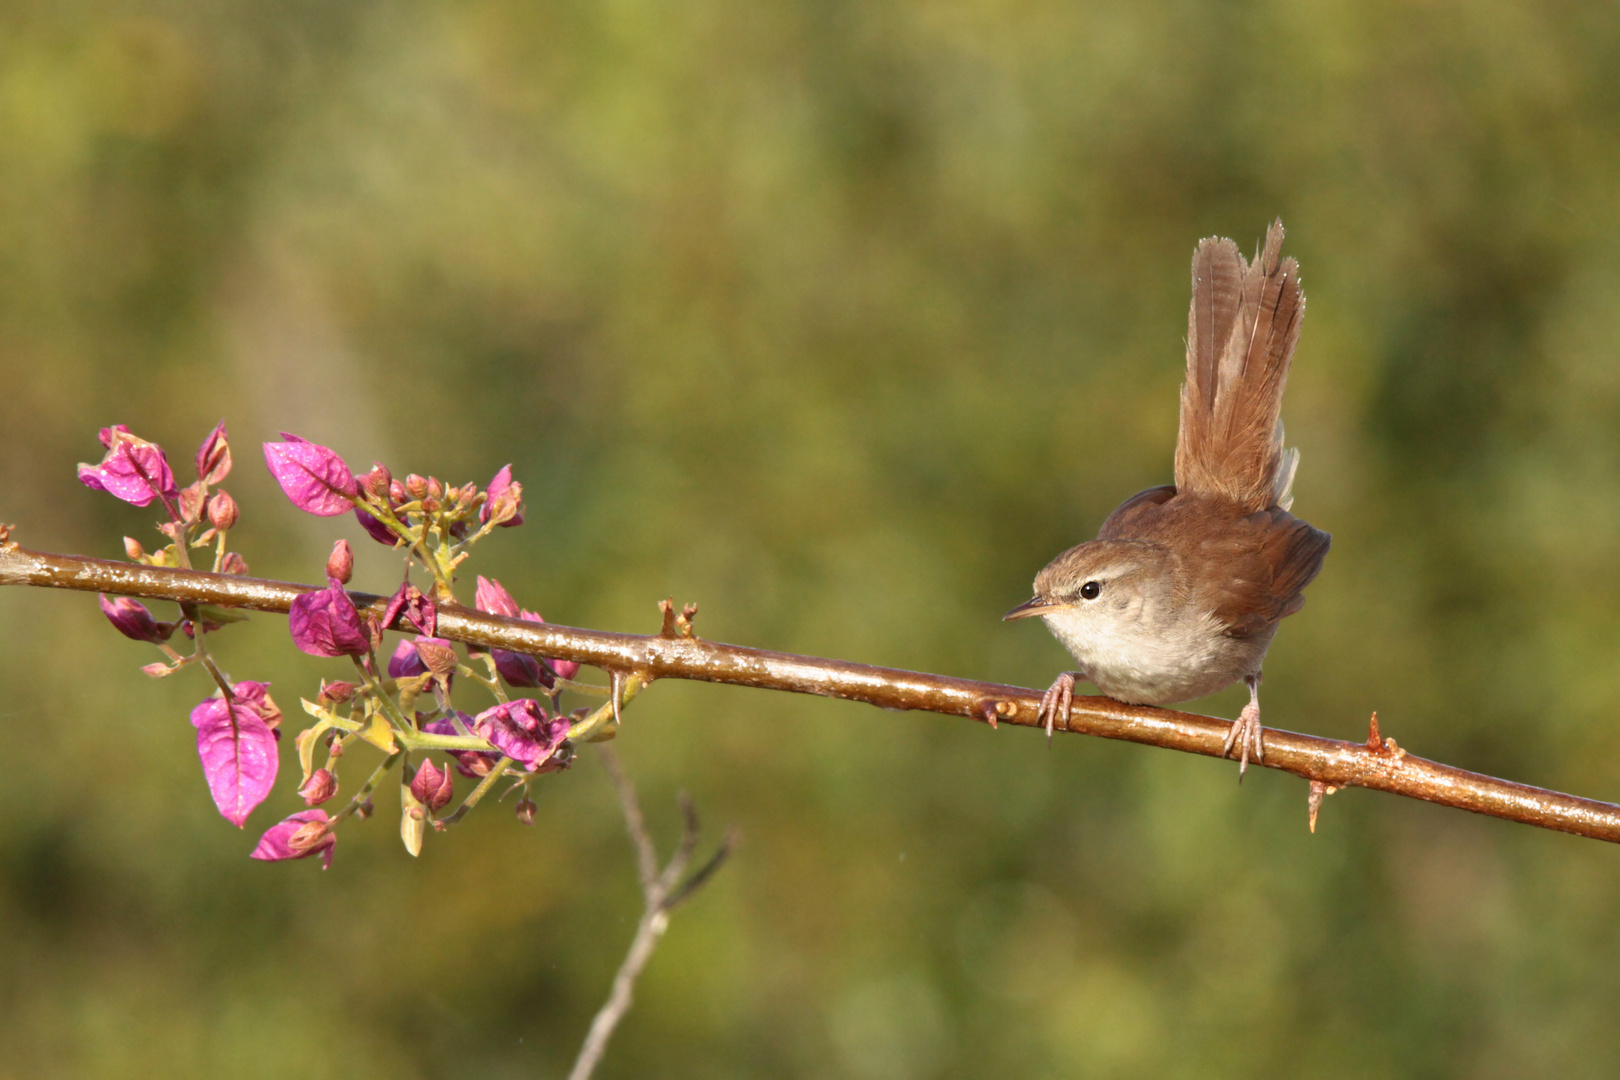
(1183, 588)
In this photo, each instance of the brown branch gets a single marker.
(1329, 762)
(661, 891)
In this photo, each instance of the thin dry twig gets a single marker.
(661, 891)
(1333, 763)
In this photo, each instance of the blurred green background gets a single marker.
(839, 319)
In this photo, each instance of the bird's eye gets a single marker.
(1090, 590)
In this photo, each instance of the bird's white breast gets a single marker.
(1152, 657)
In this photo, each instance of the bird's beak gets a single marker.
(1033, 606)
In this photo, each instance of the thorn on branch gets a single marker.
(987, 709)
(1378, 745)
(677, 626)
(1313, 801)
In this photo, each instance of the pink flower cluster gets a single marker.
(238, 729)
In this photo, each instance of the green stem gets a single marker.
(477, 793)
(383, 698)
(370, 785)
(587, 727)
(579, 687)
(424, 740)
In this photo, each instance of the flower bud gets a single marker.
(190, 502)
(419, 610)
(130, 618)
(503, 500)
(306, 833)
(320, 786)
(214, 456)
(416, 486)
(233, 564)
(132, 548)
(222, 511)
(525, 811)
(335, 693)
(435, 488)
(492, 597)
(505, 509)
(308, 837)
(340, 564)
(377, 481)
(439, 657)
(432, 786)
(397, 493)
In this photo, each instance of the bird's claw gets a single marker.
(1246, 738)
(1058, 700)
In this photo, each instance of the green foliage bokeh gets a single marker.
(839, 319)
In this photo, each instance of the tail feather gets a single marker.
(1241, 332)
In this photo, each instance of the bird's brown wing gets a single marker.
(1269, 558)
(1264, 559)
(1131, 515)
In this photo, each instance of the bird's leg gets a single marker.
(1057, 701)
(1245, 733)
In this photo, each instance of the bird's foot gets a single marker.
(1057, 701)
(1245, 737)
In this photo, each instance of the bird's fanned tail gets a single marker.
(1241, 331)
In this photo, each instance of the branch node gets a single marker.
(703, 873)
(676, 626)
(660, 894)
